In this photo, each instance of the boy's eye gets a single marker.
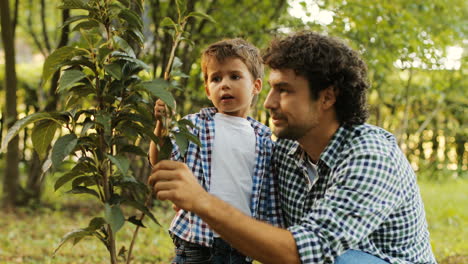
(215, 79)
(235, 77)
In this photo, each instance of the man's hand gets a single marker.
(172, 180)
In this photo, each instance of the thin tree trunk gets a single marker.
(44, 27)
(10, 185)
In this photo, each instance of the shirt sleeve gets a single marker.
(364, 192)
(269, 209)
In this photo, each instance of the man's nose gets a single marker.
(271, 102)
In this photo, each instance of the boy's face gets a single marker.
(230, 86)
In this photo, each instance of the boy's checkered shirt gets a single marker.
(264, 201)
(365, 197)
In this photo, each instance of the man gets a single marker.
(347, 192)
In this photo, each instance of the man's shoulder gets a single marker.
(365, 138)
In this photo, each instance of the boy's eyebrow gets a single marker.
(233, 71)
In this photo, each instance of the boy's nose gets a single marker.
(225, 85)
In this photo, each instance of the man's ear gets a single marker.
(328, 97)
(257, 86)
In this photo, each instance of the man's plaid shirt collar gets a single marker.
(330, 153)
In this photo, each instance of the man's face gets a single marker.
(292, 110)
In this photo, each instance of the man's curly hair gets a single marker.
(325, 61)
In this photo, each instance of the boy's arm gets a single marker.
(159, 113)
(174, 181)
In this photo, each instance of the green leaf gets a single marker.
(78, 170)
(166, 150)
(75, 234)
(114, 70)
(191, 137)
(137, 35)
(85, 180)
(182, 143)
(42, 134)
(104, 119)
(124, 56)
(185, 123)
(123, 44)
(132, 18)
(96, 223)
(202, 15)
(103, 52)
(133, 149)
(114, 217)
(136, 221)
(69, 78)
(57, 59)
(167, 22)
(86, 25)
(83, 190)
(121, 162)
(62, 148)
(142, 208)
(75, 4)
(22, 123)
(74, 19)
(157, 88)
(181, 6)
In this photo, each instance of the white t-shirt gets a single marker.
(233, 161)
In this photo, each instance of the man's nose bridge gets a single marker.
(270, 100)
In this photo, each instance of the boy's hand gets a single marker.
(174, 181)
(160, 109)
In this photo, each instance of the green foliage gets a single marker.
(107, 111)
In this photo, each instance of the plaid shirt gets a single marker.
(365, 197)
(263, 205)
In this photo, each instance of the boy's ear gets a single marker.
(257, 86)
(328, 97)
(207, 91)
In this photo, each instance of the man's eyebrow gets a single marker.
(279, 84)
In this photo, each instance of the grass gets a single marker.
(446, 205)
(31, 235)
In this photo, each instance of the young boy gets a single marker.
(233, 162)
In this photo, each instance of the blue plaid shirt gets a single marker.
(365, 197)
(264, 206)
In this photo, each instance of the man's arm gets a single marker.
(174, 181)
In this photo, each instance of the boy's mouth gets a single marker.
(226, 97)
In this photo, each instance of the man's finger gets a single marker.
(164, 195)
(175, 208)
(164, 186)
(168, 165)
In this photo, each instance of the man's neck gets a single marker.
(316, 141)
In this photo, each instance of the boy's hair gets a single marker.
(325, 61)
(233, 48)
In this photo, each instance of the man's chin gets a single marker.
(287, 133)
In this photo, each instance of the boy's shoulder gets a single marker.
(259, 127)
(204, 114)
